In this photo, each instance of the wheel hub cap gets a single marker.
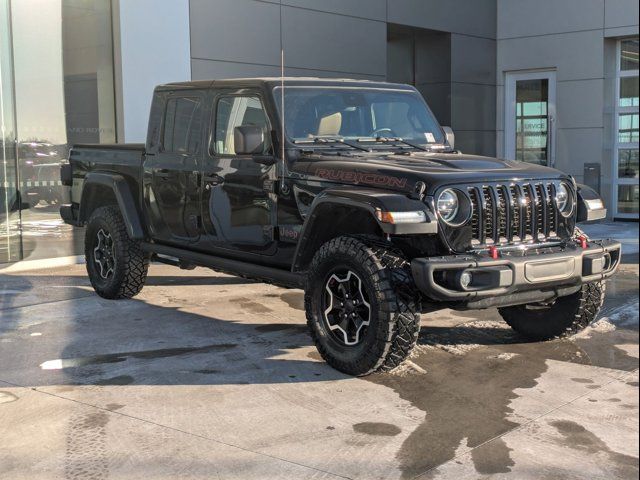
(347, 311)
(104, 255)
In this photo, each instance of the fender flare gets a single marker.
(122, 192)
(369, 200)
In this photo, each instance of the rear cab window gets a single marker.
(182, 130)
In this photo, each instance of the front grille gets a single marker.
(512, 214)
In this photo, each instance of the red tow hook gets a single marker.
(493, 252)
(582, 240)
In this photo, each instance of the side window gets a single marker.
(182, 125)
(233, 112)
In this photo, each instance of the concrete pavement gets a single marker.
(209, 376)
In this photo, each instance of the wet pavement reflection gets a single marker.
(230, 360)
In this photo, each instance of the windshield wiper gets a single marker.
(387, 140)
(333, 141)
(396, 140)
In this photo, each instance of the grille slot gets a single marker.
(512, 214)
(503, 215)
(475, 217)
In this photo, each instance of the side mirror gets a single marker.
(451, 137)
(590, 205)
(248, 140)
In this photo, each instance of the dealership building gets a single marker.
(553, 82)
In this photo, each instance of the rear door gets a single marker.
(172, 174)
(238, 199)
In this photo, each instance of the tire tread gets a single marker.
(563, 319)
(133, 261)
(398, 303)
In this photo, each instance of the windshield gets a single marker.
(358, 114)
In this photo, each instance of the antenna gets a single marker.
(282, 140)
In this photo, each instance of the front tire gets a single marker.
(116, 265)
(361, 306)
(566, 316)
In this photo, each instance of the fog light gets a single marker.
(465, 279)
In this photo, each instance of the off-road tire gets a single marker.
(567, 316)
(131, 262)
(395, 305)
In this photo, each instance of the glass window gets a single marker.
(627, 122)
(182, 125)
(628, 92)
(628, 199)
(628, 128)
(628, 163)
(60, 55)
(235, 112)
(9, 198)
(629, 54)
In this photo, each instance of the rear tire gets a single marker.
(380, 290)
(566, 316)
(116, 265)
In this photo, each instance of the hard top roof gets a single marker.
(270, 82)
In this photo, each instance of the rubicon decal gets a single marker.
(358, 177)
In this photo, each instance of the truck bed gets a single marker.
(125, 158)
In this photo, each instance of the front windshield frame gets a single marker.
(439, 136)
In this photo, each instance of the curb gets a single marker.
(27, 265)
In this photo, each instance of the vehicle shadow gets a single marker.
(179, 341)
(467, 381)
(99, 342)
(463, 377)
(92, 341)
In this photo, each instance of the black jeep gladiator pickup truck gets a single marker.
(350, 190)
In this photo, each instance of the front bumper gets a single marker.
(515, 273)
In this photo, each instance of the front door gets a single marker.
(172, 174)
(530, 109)
(238, 194)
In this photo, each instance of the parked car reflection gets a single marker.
(40, 172)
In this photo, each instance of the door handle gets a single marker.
(266, 160)
(212, 181)
(161, 172)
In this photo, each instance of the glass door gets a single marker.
(10, 240)
(530, 117)
(625, 188)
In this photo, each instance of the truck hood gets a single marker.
(402, 172)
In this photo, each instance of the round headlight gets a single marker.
(448, 205)
(564, 200)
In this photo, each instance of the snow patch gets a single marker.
(408, 367)
(603, 325)
(504, 356)
(625, 316)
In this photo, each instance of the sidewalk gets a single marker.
(209, 376)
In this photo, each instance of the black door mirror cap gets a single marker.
(248, 140)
